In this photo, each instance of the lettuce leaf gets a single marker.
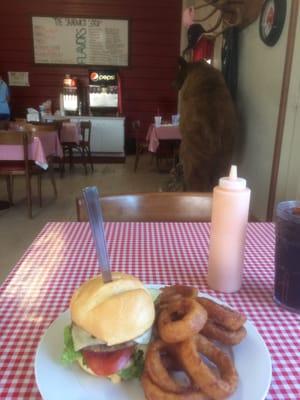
(69, 354)
(135, 369)
(154, 293)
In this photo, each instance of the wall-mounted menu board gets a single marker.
(80, 41)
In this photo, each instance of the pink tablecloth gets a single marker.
(44, 145)
(163, 132)
(70, 132)
(63, 256)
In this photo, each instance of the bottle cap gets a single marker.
(232, 182)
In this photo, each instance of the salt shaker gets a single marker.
(230, 212)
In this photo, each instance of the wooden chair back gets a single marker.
(137, 132)
(85, 131)
(153, 207)
(15, 137)
(24, 167)
(46, 127)
(4, 125)
(59, 126)
(22, 138)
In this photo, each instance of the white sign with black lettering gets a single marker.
(83, 41)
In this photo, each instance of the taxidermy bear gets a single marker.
(207, 123)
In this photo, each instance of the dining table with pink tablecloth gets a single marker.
(63, 256)
(43, 145)
(162, 132)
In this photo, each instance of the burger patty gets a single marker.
(103, 348)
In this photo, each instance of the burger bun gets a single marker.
(113, 312)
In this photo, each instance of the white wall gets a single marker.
(260, 78)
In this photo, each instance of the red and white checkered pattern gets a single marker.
(63, 256)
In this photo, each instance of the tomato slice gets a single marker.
(107, 363)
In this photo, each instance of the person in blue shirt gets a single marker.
(4, 99)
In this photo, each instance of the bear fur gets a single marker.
(208, 124)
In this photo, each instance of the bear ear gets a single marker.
(181, 62)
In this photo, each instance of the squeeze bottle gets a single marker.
(230, 211)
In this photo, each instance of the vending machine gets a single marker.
(70, 96)
(104, 93)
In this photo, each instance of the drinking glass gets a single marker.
(175, 119)
(157, 121)
(287, 255)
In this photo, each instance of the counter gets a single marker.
(108, 133)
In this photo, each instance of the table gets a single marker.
(163, 132)
(63, 256)
(45, 144)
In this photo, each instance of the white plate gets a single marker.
(56, 382)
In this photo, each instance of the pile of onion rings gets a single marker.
(187, 330)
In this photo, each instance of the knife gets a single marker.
(92, 202)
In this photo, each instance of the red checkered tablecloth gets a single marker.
(63, 255)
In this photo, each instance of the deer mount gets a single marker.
(230, 13)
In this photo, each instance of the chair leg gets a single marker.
(9, 189)
(52, 177)
(158, 163)
(62, 164)
(83, 158)
(12, 182)
(29, 197)
(90, 158)
(39, 185)
(71, 157)
(137, 157)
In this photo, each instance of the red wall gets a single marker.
(154, 47)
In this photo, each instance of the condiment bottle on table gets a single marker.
(230, 212)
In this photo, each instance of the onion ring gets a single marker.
(191, 317)
(222, 315)
(174, 293)
(184, 291)
(170, 362)
(214, 331)
(154, 392)
(157, 371)
(200, 373)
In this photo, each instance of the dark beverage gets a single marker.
(287, 255)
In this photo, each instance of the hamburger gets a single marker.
(111, 322)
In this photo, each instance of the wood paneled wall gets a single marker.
(154, 48)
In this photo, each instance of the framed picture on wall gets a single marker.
(80, 41)
(272, 20)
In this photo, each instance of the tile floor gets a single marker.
(17, 231)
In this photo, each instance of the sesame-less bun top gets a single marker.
(113, 312)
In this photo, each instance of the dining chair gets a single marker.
(51, 159)
(167, 155)
(153, 207)
(141, 144)
(83, 147)
(24, 167)
(59, 125)
(56, 124)
(50, 127)
(45, 126)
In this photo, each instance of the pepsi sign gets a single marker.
(103, 78)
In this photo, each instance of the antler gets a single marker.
(207, 16)
(230, 13)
